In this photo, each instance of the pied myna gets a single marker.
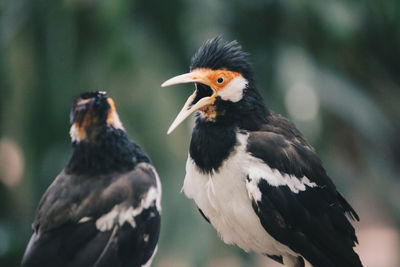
(252, 174)
(103, 209)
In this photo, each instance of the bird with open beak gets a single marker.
(252, 174)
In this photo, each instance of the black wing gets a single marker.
(311, 222)
(71, 227)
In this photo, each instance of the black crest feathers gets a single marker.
(215, 54)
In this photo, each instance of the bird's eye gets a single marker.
(220, 80)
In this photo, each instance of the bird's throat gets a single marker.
(209, 112)
(211, 144)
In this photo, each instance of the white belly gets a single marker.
(224, 200)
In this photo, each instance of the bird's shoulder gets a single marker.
(71, 198)
(281, 145)
(278, 124)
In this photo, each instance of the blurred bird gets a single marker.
(252, 174)
(103, 209)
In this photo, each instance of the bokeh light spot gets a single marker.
(302, 102)
(11, 162)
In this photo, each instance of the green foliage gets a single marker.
(339, 57)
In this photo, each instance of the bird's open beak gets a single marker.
(190, 107)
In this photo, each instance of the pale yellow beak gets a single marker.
(188, 108)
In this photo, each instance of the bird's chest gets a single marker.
(223, 198)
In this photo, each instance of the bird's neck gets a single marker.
(112, 151)
(211, 144)
(251, 112)
(213, 140)
(247, 114)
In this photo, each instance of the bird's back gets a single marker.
(78, 217)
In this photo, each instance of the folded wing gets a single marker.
(297, 203)
(97, 221)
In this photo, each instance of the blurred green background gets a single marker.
(333, 67)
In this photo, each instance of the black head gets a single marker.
(225, 91)
(100, 143)
(91, 114)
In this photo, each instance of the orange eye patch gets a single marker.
(220, 78)
(217, 79)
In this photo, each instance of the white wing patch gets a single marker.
(122, 213)
(252, 189)
(157, 192)
(84, 219)
(259, 170)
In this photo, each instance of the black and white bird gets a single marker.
(103, 209)
(252, 174)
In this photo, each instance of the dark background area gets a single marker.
(333, 67)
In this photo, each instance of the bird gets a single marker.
(104, 208)
(251, 172)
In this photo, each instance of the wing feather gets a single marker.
(65, 231)
(312, 222)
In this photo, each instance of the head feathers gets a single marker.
(215, 55)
